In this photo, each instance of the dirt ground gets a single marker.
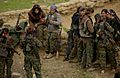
(52, 68)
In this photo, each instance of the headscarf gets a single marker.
(53, 7)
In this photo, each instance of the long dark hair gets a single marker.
(113, 13)
(104, 10)
(36, 6)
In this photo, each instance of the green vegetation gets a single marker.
(7, 5)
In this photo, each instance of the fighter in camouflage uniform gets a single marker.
(105, 43)
(53, 33)
(73, 35)
(30, 46)
(86, 35)
(6, 53)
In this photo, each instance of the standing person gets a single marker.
(53, 32)
(105, 42)
(6, 53)
(96, 25)
(114, 21)
(37, 21)
(69, 45)
(75, 27)
(30, 46)
(86, 34)
(80, 42)
(73, 35)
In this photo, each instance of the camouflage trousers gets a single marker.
(69, 44)
(8, 63)
(32, 61)
(52, 42)
(40, 34)
(87, 54)
(106, 53)
(2, 67)
(80, 50)
(111, 55)
(74, 50)
(69, 48)
(102, 56)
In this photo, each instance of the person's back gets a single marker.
(30, 46)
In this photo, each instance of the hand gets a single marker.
(51, 22)
(43, 20)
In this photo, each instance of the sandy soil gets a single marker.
(52, 68)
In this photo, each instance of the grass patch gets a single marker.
(7, 5)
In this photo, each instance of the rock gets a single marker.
(93, 0)
(103, 0)
(84, 0)
(90, 4)
(63, 8)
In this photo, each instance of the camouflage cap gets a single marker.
(1, 22)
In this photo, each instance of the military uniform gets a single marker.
(69, 45)
(31, 47)
(105, 45)
(2, 62)
(6, 55)
(53, 33)
(86, 30)
(76, 35)
(41, 34)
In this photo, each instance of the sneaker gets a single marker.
(50, 56)
(45, 56)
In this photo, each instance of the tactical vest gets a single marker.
(84, 32)
(29, 44)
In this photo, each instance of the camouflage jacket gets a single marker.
(104, 32)
(30, 45)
